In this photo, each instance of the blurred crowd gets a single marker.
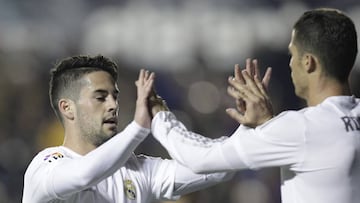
(192, 45)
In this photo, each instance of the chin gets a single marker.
(104, 137)
(112, 134)
(112, 131)
(109, 132)
(102, 140)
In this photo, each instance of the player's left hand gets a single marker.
(253, 104)
(252, 68)
(156, 103)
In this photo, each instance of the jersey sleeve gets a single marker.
(273, 144)
(170, 180)
(66, 176)
(278, 142)
(186, 181)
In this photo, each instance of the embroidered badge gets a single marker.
(53, 157)
(129, 189)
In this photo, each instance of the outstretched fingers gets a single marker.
(237, 73)
(251, 84)
(140, 80)
(267, 77)
(238, 90)
(145, 83)
(240, 104)
(234, 114)
(149, 81)
(251, 66)
(252, 70)
(253, 106)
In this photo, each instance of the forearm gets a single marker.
(77, 174)
(186, 181)
(197, 152)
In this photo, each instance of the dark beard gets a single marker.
(99, 140)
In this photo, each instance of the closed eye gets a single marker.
(102, 99)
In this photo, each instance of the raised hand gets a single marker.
(253, 70)
(253, 106)
(144, 86)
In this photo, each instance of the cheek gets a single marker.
(291, 62)
(293, 79)
(294, 73)
(88, 113)
(92, 108)
(291, 66)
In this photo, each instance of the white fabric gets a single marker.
(317, 149)
(109, 174)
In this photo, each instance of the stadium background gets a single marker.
(192, 45)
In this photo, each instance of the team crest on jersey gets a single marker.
(53, 157)
(129, 189)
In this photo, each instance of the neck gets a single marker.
(77, 143)
(320, 89)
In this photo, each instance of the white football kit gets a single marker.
(110, 174)
(317, 149)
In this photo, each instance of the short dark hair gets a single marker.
(331, 36)
(66, 74)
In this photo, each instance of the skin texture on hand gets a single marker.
(144, 86)
(156, 103)
(253, 105)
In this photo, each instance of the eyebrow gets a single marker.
(101, 91)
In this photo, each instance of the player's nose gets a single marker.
(112, 104)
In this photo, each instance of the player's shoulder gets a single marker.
(285, 123)
(51, 154)
(289, 116)
(48, 155)
(44, 160)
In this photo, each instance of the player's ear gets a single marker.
(67, 108)
(309, 62)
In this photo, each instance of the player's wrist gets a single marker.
(158, 108)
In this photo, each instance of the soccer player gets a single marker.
(96, 164)
(317, 148)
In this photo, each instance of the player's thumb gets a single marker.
(235, 115)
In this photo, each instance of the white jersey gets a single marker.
(109, 174)
(317, 149)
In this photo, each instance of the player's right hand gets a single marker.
(144, 86)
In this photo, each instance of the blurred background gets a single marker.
(192, 45)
